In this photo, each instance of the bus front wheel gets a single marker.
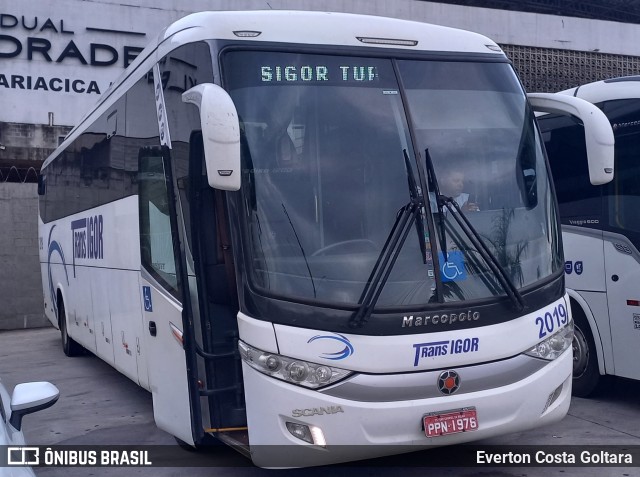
(69, 345)
(586, 375)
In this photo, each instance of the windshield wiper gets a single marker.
(495, 266)
(405, 218)
(416, 196)
(470, 231)
(433, 185)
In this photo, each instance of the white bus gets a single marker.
(601, 234)
(240, 226)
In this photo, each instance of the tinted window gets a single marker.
(328, 162)
(181, 70)
(93, 170)
(156, 240)
(623, 193)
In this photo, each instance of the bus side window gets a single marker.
(623, 193)
(42, 199)
(156, 240)
(42, 184)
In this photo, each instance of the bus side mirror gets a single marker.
(220, 134)
(597, 129)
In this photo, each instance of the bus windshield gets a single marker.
(324, 145)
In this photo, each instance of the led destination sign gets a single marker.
(253, 68)
(318, 73)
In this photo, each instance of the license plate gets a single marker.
(450, 422)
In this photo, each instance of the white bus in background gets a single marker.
(601, 234)
(240, 226)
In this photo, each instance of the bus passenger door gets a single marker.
(161, 296)
(217, 300)
(622, 275)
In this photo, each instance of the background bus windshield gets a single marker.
(324, 175)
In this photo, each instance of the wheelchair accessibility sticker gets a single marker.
(453, 269)
(146, 294)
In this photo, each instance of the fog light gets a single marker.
(300, 431)
(318, 436)
(310, 434)
(552, 397)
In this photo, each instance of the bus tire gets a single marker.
(69, 345)
(586, 375)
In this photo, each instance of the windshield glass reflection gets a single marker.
(324, 177)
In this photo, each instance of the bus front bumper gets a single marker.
(354, 430)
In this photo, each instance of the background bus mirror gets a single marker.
(220, 134)
(597, 129)
(42, 185)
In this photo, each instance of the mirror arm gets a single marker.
(16, 416)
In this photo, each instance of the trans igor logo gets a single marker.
(443, 348)
(87, 239)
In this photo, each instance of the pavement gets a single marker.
(100, 406)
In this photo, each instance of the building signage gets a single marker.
(54, 41)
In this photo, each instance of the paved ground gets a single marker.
(100, 406)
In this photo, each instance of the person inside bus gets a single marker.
(451, 181)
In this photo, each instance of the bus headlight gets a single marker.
(554, 345)
(295, 371)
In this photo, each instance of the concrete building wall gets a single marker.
(21, 298)
(30, 142)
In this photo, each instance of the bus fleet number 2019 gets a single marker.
(551, 320)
